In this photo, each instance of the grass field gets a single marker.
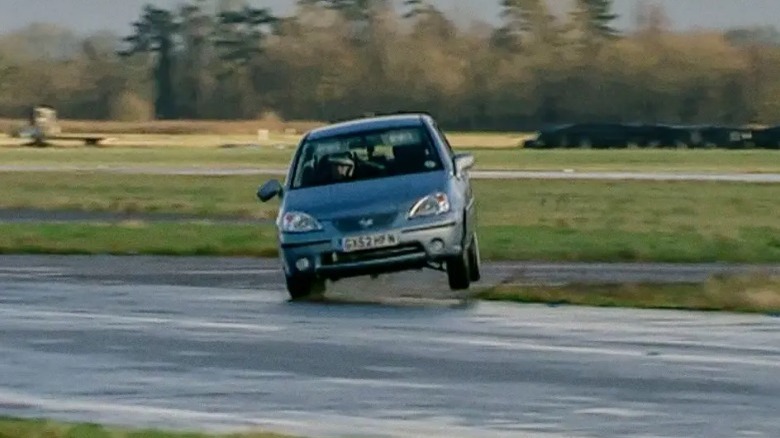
(753, 161)
(541, 220)
(41, 428)
(757, 293)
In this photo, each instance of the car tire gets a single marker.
(475, 260)
(459, 271)
(301, 287)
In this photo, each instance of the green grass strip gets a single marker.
(133, 238)
(497, 242)
(31, 428)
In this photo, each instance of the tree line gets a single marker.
(334, 59)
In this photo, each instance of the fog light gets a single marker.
(437, 245)
(302, 264)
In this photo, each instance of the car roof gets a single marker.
(368, 124)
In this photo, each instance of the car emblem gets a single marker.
(367, 222)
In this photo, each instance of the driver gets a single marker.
(342, 167)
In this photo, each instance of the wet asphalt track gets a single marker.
(213, 343)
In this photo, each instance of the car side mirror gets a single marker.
(269, 190)
(463, 162)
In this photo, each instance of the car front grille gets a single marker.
(353, 224)
(332, 259)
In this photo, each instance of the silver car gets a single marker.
(374, 196)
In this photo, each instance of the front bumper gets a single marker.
(416, 248)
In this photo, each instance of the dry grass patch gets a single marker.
(193, 133)
(487, 139)
(752, 293)
(174, 127)
(757, 291)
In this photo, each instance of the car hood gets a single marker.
(377, 196)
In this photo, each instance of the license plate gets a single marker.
(362, 243)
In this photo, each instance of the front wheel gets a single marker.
(301, 287)
(459, 271)
(475, 261)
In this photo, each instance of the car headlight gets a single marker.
(296, 222)
(431, 205)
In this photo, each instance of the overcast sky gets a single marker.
(91, 15)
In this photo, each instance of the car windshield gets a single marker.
(365, 155)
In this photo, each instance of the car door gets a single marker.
(463, 185)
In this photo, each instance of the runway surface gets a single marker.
(213, 343)
(477, 174)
